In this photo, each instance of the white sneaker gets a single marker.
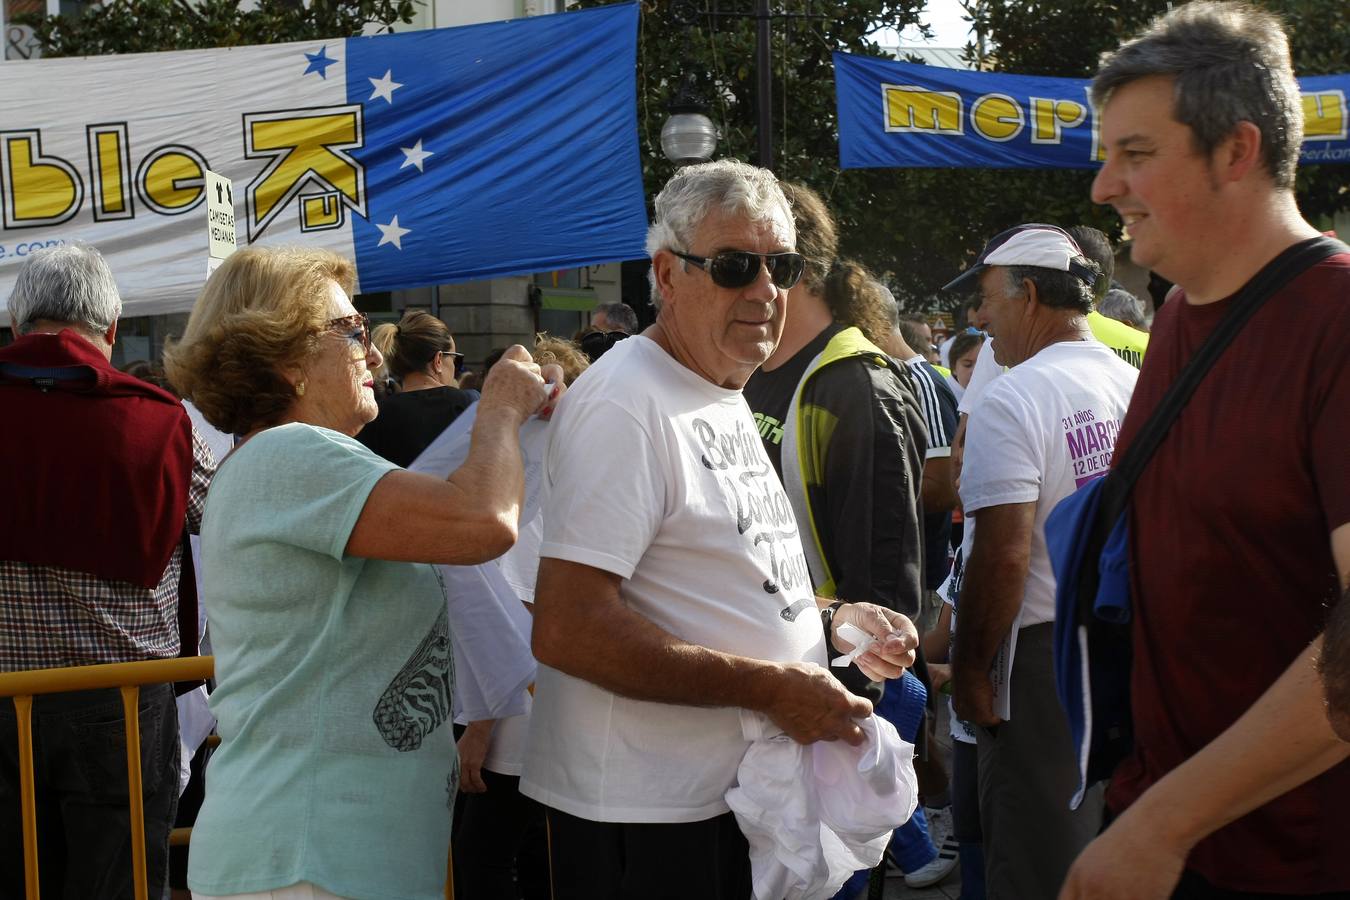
(941, 866)
(940, 825)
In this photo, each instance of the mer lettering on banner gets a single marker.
(894, 114)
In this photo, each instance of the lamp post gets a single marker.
(688, 136)
(763, 85)
(686, 13)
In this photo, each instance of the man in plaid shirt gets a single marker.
(99, 493)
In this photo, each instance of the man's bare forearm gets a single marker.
(619, 650)
(991, 595)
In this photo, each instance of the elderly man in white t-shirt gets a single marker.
(1038, 432)
(673, 593)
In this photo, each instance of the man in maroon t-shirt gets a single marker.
(1237, 785)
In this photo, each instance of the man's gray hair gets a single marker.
(1231, 65)
(726, 185)
(891, 305)
(909, 325)
(70, 283)
(620, 316)
(1122, 306)
(1056, 289)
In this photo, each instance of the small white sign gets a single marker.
(21, 43)
(219, 219)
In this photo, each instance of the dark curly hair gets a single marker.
(817, 235)
(856, 298)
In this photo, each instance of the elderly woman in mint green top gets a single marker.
(336, 770)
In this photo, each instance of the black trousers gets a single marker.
(708, 860)
(499, 843)
(80, 777)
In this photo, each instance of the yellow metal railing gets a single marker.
(128, 677)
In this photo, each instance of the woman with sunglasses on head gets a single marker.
(420, 354)
(336, 766)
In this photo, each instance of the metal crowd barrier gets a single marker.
(23, 686)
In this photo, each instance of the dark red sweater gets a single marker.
(95, 463)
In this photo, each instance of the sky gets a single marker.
(944, 17)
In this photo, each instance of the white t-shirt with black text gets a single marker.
(660, 477)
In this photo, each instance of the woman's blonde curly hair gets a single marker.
(259, 314)
(567, 355)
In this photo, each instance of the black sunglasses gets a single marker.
(359, 323)
(738, 268)
(595, 343)
(459, 360)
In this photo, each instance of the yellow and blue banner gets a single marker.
(428, 157)
(904, 115)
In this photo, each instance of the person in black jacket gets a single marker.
(420, 353)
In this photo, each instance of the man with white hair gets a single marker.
(673, 593)
(99, 493)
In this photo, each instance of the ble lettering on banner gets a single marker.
(219, 220)
(424, 157)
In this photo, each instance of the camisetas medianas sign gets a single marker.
(428, 157)
(903, 115)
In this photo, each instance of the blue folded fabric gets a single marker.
(1092, 650)
(903, 704)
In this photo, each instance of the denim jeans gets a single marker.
(80, 781)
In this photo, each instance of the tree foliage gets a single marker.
(915, 226)
(1034, 37)
(141, 26)
(918, 227)
(720, 53)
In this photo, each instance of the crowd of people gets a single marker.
(748, 557)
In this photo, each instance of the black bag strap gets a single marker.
(1125, 471)
(188, 637)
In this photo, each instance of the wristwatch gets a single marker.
(827, 622)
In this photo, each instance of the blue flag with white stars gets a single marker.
(498, 149)
(429, 157)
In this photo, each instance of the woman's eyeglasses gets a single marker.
(458, 358)
(355, 328)
(739, 268)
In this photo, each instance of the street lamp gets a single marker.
(687, 13)
(688, 136)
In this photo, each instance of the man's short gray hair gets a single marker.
(1122, 306)
(726, 185)
(1056, 289)
(909, 325)
(1231, 65)
(620, 316)
(70, 283)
